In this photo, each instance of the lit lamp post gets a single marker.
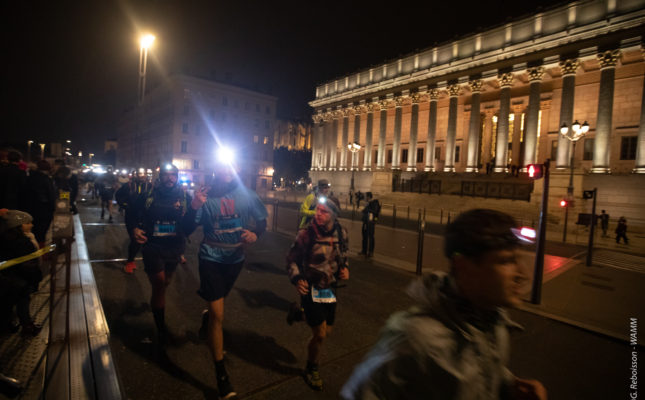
(354, 148)
(42, 150)
(91, 156)
(29, 143)
(145, 42)
(574, 134)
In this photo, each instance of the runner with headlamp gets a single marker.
(232, 216)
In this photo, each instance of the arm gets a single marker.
(295, 257)
(305, 207)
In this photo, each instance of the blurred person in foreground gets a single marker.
(315, 262)
(232, 218)
(454, 343)
(40, 199)
(12, 182)
(126, 196)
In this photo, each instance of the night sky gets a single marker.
(71, 66)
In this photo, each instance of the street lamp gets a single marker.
(145, 42)
(91, 156)
(574, 134)
(29, 143)
(42, 150)
(354, 148)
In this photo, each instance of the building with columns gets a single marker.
(478, 109)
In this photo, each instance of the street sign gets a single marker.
(588, 194)
(534, 171)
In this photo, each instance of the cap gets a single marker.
(323, 183)
(14, 218)
(478, 231)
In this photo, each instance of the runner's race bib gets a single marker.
(229, 225)
(164, 229)
(323, 295)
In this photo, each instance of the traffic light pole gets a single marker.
(592, 227)
(538, 270)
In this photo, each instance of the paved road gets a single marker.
(265, 355)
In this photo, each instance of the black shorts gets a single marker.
(216, 280)
(107, 194)
(158, 258)
(317, 313)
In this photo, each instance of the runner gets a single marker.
(316, 260)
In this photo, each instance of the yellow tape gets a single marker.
(30, 256)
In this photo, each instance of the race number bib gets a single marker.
(323, 295)
(164, 229)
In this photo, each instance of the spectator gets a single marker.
(454, 344)
(12, 182)
(359, 198)
(19, 281)
(40, 197)
(604, 222)
(70, 184)
(370, 216)
(621, 230)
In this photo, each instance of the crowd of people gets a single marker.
(453, 343)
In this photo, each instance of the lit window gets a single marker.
(266, 140)
(256, 139)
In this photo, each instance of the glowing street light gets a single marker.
(574, 134)
(29, 143)
(42, 150)
(354, 148)
(145, 43)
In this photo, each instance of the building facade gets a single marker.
(184, 120)
(294, 135)
(493, 102)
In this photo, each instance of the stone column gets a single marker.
(568, 68)
(333, 143)
(357, 135)
(369, 124)
(602, 142)
(380, 162)
(433, 94)
(451, 134)
(639, 166)
(396, 146)
(473, 128)
(501, 145)
(414, 126)
(344, 141)
(318, 146)
(532, 116)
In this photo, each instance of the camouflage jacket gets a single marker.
(441, 348)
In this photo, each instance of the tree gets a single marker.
(290, 165)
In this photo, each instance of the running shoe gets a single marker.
(313, 379)
(130, 266)
(225, 388)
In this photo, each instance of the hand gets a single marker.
(139, 235)
(248, 237)
(200, 198)
(528, 389)
(302, 287)
(343, 274)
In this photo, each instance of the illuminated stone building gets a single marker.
(294, 135)
(460, 118)
(184, 119)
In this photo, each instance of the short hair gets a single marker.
(14, 156)
(478, 231)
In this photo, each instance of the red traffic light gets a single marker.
(534, 171)
(564, 203)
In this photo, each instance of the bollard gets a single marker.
(441, 218)
(448, 218)
(421, 229)
(424, 213)
(275, 216)
(394, 216)
(408, 212)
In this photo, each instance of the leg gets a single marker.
(365, 238)
(158, 299)
(370, 233)
(215, 329)
(319, 334)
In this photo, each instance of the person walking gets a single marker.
(315, 262)
(454, 342)
(308, 206)
(107, 186)
(232, 217)
(604, 222)
(159, 221)
(621, 230)
(370, 216)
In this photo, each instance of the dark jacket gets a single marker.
(159, 210)
(373, 208)
(40, 195)
(12, 187)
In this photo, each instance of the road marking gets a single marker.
(115, 260)
(618, 260)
